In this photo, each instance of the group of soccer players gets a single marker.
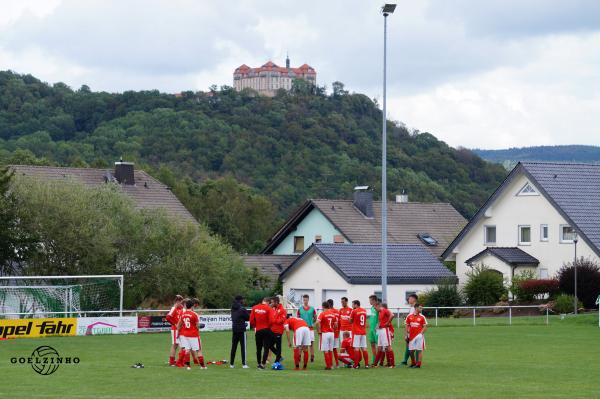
(342, 332)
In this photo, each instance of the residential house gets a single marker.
(145, 191)
(322, 221)
(531, 220)
(331, 271)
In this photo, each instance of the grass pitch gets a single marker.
(520, 361)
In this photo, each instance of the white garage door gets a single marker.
(336, 295)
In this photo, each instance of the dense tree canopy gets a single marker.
(286, 148)
(76, 230)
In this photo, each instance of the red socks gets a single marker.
(345, 359)
(357, 356)
(327, 356)
(390, 358)
(365, 354)
(305, 358)
(297, 357)
(336, 357)
(201, 361)
(181, 358)
(379, 358)
(171, 360)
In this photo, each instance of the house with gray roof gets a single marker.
(332, 271)
(531, 221)
(145, 191)
(321, 221)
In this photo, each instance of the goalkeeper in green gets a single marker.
(373, 322)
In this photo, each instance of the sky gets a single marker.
(477, 74)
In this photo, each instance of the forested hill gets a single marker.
(557, 153)
(287, 148)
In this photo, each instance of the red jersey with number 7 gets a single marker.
(327, 320)
(359, 321)
(189, 324)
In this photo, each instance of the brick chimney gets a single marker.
(124, 173)
(363, 200)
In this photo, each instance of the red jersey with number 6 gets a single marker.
(359, 321)
(327, 320)
(189, 324)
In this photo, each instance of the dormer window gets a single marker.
(427, 239)
(527, 190)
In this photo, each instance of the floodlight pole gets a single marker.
(386, 10)
(575, 239)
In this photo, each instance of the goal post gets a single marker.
(40, 296)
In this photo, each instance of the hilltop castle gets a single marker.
(270, 77)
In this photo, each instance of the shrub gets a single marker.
(540, 288)
(446, 293)
(588, 280)
(515, 287)
(484, 286)
(564, 304)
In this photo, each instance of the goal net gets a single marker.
(59, 296)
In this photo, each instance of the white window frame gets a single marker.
(485, 235)
(542, 227)
(560, 234)
(524, 243)
(529, 194)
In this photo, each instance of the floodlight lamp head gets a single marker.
(387, 9)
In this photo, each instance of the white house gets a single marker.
(530, 221)
(331, 271)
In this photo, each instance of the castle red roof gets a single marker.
(270, 66)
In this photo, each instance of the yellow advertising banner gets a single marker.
(35, 328)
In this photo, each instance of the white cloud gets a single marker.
(551, 100)
(478, 74)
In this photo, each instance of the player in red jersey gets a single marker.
(173, 318)
(358, 318)
(416, 325)
(260, 321)
(347, 351)
(189, 335)
(384, 339)
(336, 335)
(302, 339)
(392, 332)
(326, 325)
(345, 312)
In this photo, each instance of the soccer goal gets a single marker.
(56, 296)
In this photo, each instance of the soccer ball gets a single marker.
(277, 366)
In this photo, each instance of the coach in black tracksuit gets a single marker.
(239, 317)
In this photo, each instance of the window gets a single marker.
(490, 235)
(544, 232)
(527, 190)
(338, 239)
(543, 273)
(298, 244)
(524, 235)
(427, 239)
(318, 239)
(567, 233)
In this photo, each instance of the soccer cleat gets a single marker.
(231, 366)
(188, 368)
(245, 366)
(203, 367)
(297, 368)
(260, 367)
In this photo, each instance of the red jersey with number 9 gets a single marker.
(189, 324)
(327, 320)
(359, 321)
